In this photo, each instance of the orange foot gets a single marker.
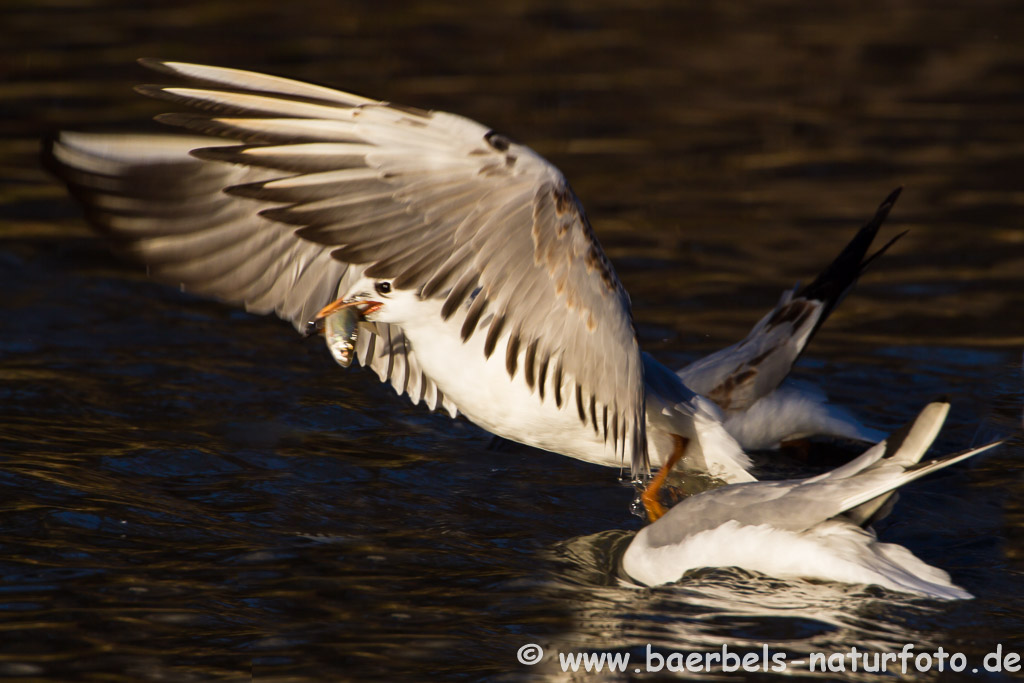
(650, 497)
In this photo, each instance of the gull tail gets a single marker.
(673, 409)
(832, 285)
(714, 448)
(741, 374)
(898, 463)
(906, 446)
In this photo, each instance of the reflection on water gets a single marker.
(192, 493)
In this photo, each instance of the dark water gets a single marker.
(188, 492)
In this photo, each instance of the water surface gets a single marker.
(193, 493)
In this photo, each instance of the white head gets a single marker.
(379, 301)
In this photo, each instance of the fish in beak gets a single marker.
(339, 323)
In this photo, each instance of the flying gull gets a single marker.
(478, 283)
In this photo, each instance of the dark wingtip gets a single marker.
(47, 159)
(276, 213)
(839, 276)
(884, 248)
(835, 281)
(151, 90)
(248, 190)
(227, 153)
(198, 123)
(893, 196)
(175, 118)
(883, 209)
(154, 64)
(47, 140)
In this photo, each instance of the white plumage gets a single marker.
(501, 305)
(296, 192)
(804, 528)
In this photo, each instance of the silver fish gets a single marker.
(341, 329)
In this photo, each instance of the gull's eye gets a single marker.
(383, 287)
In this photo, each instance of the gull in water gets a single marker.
(476, 281)
(805, 528)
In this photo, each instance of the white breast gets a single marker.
(484, 392)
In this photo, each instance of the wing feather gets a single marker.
(322, 185)
(171, 211)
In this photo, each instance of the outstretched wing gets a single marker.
(435, 202)
(167, 209)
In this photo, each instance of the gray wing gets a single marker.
(860, 489)
(167, 209)
(737, 376)
(442, 205)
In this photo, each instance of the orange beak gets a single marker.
(371, 306)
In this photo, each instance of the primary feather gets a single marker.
(321, 186)
(288, 193)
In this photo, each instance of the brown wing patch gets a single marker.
(723, 393)
(795, 312)
(501, 143)
(597, 261)
(569, 214)
(563, 199)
